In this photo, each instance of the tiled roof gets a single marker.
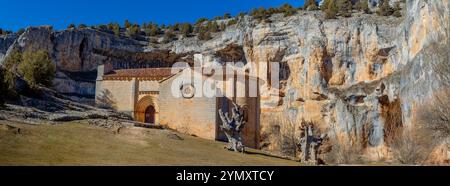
(144, 72)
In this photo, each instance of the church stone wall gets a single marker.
(117, 94)
(148, 86)
(195, 115)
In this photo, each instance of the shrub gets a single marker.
(110, 26)
(176, 27)
(311, 5)
(385, 9)
(363, 6)
(282, 135)
(204, 34)
(288, 138)
(288, 10)
(11, 63)
(186, 29)
(413, 147)
(232, 22)
(345, 152)
(436, 115)
(260, 13)
(330, 8)
(344, 149)
(116, 29)
(201, 20)
(223, 26)
(20, 31)
(169, 36)
(5, 32)
(133, 30)
(241, 15)
(37, 68)
(345, 7)
(397, 10)
(102, 27)
(152, 30)
(82, 26)
(71, 26)
(227, 16)
(127, 24)
(213, 26)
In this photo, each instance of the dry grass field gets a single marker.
(78, 143)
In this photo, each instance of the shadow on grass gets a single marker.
(267, 155)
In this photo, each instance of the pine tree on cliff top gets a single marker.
(345, 7)
(311, 5)
(330, 8)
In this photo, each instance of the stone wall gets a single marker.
(117, 94)
(195, 115)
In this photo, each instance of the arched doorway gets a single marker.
(147, 110)
(150, 114)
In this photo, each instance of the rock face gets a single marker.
(5, 43)
(74, 52)
(356, 78)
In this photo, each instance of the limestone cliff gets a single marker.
(358, 78)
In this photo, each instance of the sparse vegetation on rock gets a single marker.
(4, 32)
(397, 10)
(227, 16)
(133, 30)
(116, 29)
(213, 26)
(311, 5)
(152, 29)
(232, 22)
(127, 24)
(288, 10)
(20, 31)
(82, 26)
(330, 8)
(363, 6)
(71, 26)
(260, 13)
(345, 7)
(169, 36)
(201, 20)
(186, 29)
(385, 9)
(204, 35)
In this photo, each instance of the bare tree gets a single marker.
(232, 127)
(310, 144)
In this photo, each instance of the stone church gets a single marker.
(171, 97)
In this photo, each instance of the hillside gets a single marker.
(78, 143)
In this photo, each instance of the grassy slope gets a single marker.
(81, 144)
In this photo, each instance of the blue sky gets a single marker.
(15, 14)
